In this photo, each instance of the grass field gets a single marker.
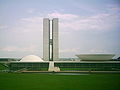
(18, 81)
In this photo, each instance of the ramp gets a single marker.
(52, 68)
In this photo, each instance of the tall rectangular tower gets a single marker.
(55, 50)
(50, 40)
(46, 39)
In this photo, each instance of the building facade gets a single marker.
(50, 39)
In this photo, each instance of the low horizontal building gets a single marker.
(34, 63)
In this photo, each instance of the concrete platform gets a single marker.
(70, 72)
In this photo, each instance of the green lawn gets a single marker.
(18, 81)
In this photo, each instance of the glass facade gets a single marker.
(29, 66)
(65, 66)
(88, 66)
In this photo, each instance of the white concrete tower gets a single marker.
(50, 40)
(55, 49)
(46, 39)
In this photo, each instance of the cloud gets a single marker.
(70, 50)
(3, 27)
(101, 21)
(98, 51)
(31, 10)
(97, 22)
(35, 19)
(114, 7)
(28, 24)
(30, 48)
(63, 16)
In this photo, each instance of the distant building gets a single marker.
(51, 61)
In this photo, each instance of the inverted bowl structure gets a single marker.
(95, 56)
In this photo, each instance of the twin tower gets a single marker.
(50, 39)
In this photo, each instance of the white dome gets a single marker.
(31, 58)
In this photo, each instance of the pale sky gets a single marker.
(85, 26)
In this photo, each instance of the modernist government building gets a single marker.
(51, 62)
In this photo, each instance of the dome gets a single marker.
(31, 58)
(95, 56)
